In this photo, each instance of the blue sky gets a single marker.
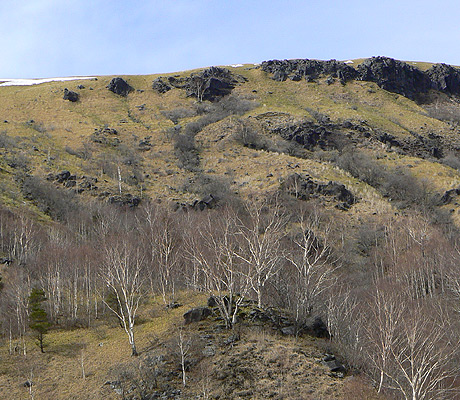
(49, 38)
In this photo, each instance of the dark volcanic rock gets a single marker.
(445, 78)
(303, 187)
(125, 200)
(211, 83)
(390, 74)
(394, 76)
(309, 69)
(71, 96)
(120, 86)
(196, 314)
(160, 86)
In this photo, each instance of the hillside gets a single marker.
(344, 176)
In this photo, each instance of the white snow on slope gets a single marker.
(28, 82)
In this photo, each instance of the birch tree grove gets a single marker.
(122, 274)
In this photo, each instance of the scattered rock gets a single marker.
(120, 86)
(209, 351)
(173, 305)
(71, 96)
(196, 314)
(106, 136)
(80, 87)
(63, 176)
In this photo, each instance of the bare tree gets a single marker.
(261, 231)
(313, 259)
(214, 248)
(423, 362)
(385, 312)
(122, 273)
(162, 240)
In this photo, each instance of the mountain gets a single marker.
(353, 164)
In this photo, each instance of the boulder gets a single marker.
(315, 326)
(196, 314)
(71, 96)
(120, 86)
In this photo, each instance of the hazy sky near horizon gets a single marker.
(50, 38)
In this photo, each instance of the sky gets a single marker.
(56, 38)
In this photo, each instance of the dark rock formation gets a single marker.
(315, 326)
(390, 74)
(445, 78)
(160, 86)
(210, 84)
(125, 200)
(394, 76)
(63, 176)
(335, 367)
(71, 96)
(120, 86)
(308, 69)
(208, 201)
(449, 195)
(196, 314)
(304, 187)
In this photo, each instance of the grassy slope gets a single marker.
(59, 124)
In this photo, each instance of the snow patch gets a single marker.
(29, 82)
(349, 62)
(236, 65)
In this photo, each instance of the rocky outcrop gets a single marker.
(210, 84)
(389, 74)
(125, 200)
(160, 86)
(299, 69)
(394, 76)
(71, 96)
(445, 78)
(304, 187)
(196, 314)
(120, 86)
